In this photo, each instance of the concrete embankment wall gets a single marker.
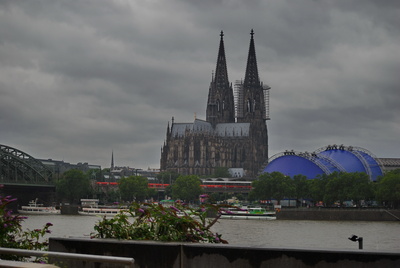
(339, 214)
(177, 255)
(69, 210)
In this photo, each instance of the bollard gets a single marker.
(360, 243)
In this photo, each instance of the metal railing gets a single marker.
(127, 262)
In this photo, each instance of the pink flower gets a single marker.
(174, 208)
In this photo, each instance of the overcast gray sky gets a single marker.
(80, 79)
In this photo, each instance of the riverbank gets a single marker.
(339, 214)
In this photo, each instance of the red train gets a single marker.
(243, 185)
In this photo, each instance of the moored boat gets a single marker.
(101, 211)
(38, 209)
(90, 207)
(255, 213)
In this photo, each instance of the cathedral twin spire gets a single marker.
(221, 72)
(251, 78)
(220, 104)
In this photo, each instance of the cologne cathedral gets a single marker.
(234, 134)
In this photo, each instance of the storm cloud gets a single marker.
(80, 79)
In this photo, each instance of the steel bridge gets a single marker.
(19, 168)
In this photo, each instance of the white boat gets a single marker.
(102, 211)
(38, 209)
(90, 207)
(247, 214)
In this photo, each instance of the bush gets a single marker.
(12, 235)
(155, 222)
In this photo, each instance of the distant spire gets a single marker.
(251, 77)
(112, 160)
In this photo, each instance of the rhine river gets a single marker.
(378, 236)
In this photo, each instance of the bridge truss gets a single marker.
(17, 167)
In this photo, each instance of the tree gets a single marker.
(73, 186)
(359, 186)
(317, 187)
(388, 188)
(273, 185)
(134, 188)
(187, 188)
(344, 186)
(301, 187)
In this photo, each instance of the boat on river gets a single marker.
(38, 209)
(90, 207)
(252, 213)
(102, 211)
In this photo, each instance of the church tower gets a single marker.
(252, 96)
(253, 108)
(234, 134)
(220, 104)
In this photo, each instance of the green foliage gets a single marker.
(273, 185)
(388, 189)
(108, 196)
(221, 172)
(355, 186)
(73, 186)
(12, 235)
(187, 188)
(156, 222)
(343, 186)
(317, 187)
(301, 186)
(332, 188)
(134, 188)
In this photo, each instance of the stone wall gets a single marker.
(155, 254)
(339, 214)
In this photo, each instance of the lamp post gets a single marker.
(355, 238)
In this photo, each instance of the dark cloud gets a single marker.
(79, 79)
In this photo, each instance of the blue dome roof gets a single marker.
(349, 161)
(325, 161)
(291, 165)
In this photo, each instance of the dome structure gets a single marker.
(326, 160)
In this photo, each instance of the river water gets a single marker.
(377, 236)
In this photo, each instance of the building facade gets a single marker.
(234, 134)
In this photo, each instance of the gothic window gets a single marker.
(254, 104)
(235, 155)
(248, 105)
(186, 152)
(223, 105)
(197, 151)
(175, 153)
(218, 108)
